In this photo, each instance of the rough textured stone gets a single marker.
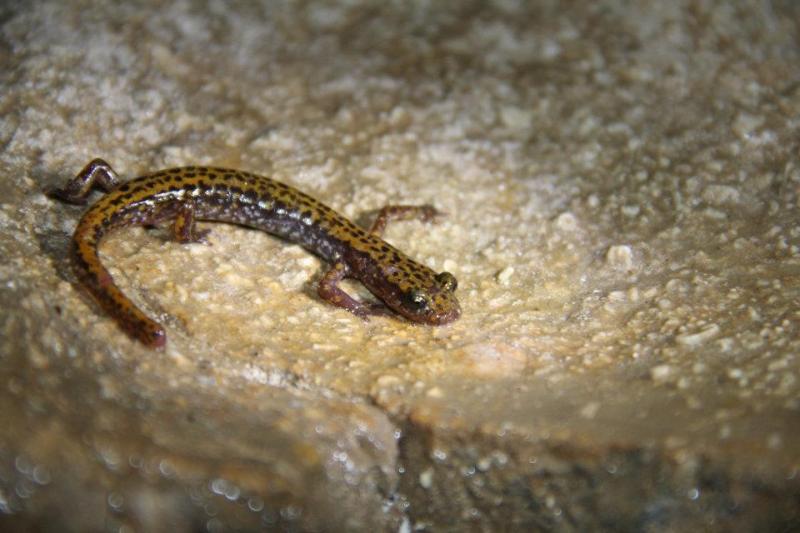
(621, 182)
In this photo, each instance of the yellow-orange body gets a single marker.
(187, 194)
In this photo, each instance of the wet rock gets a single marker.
(621, 194)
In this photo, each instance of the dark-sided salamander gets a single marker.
(187, 194)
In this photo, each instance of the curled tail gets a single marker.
(100, 285)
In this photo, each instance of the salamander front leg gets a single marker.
(97, 173)
(329, 290)
(424, 213)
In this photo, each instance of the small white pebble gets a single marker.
(630, 210)
(620, 257)
(633, 294)
(504, 276)
(735, 373)
(516, 118)
(725, 344)
(435, 392)
(715, 214)
(774, 441)
(745, 124)
(590, 410)
(567, 222)
(661, 372)
(696, 339)
(426, 478)
(387, 380)
(719, 195)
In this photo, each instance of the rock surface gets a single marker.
(621, 182)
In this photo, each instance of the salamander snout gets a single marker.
(435, 304)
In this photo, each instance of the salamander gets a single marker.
(188, 194)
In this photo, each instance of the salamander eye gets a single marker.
(447, 281)
(418, 299)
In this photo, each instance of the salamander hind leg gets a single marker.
(185, 228)
(97, 173)
(330, 291)
(425, 213)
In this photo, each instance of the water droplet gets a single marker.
(500, 458)
(5, 508)
(232, 492)
(291, 512)
(255, 504)
(115, 500)
(23, 465)
(693, 494)
(218, 486)
(24, 489)
(166, 468)
(210, 510)
(214, 525)
(41, 475)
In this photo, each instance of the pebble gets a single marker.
(661, 373)
(696, 339)
(620, 257)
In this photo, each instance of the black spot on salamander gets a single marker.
(81, 262)
(125, 187)
(190, 174)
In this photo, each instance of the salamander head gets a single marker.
(434, 304)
